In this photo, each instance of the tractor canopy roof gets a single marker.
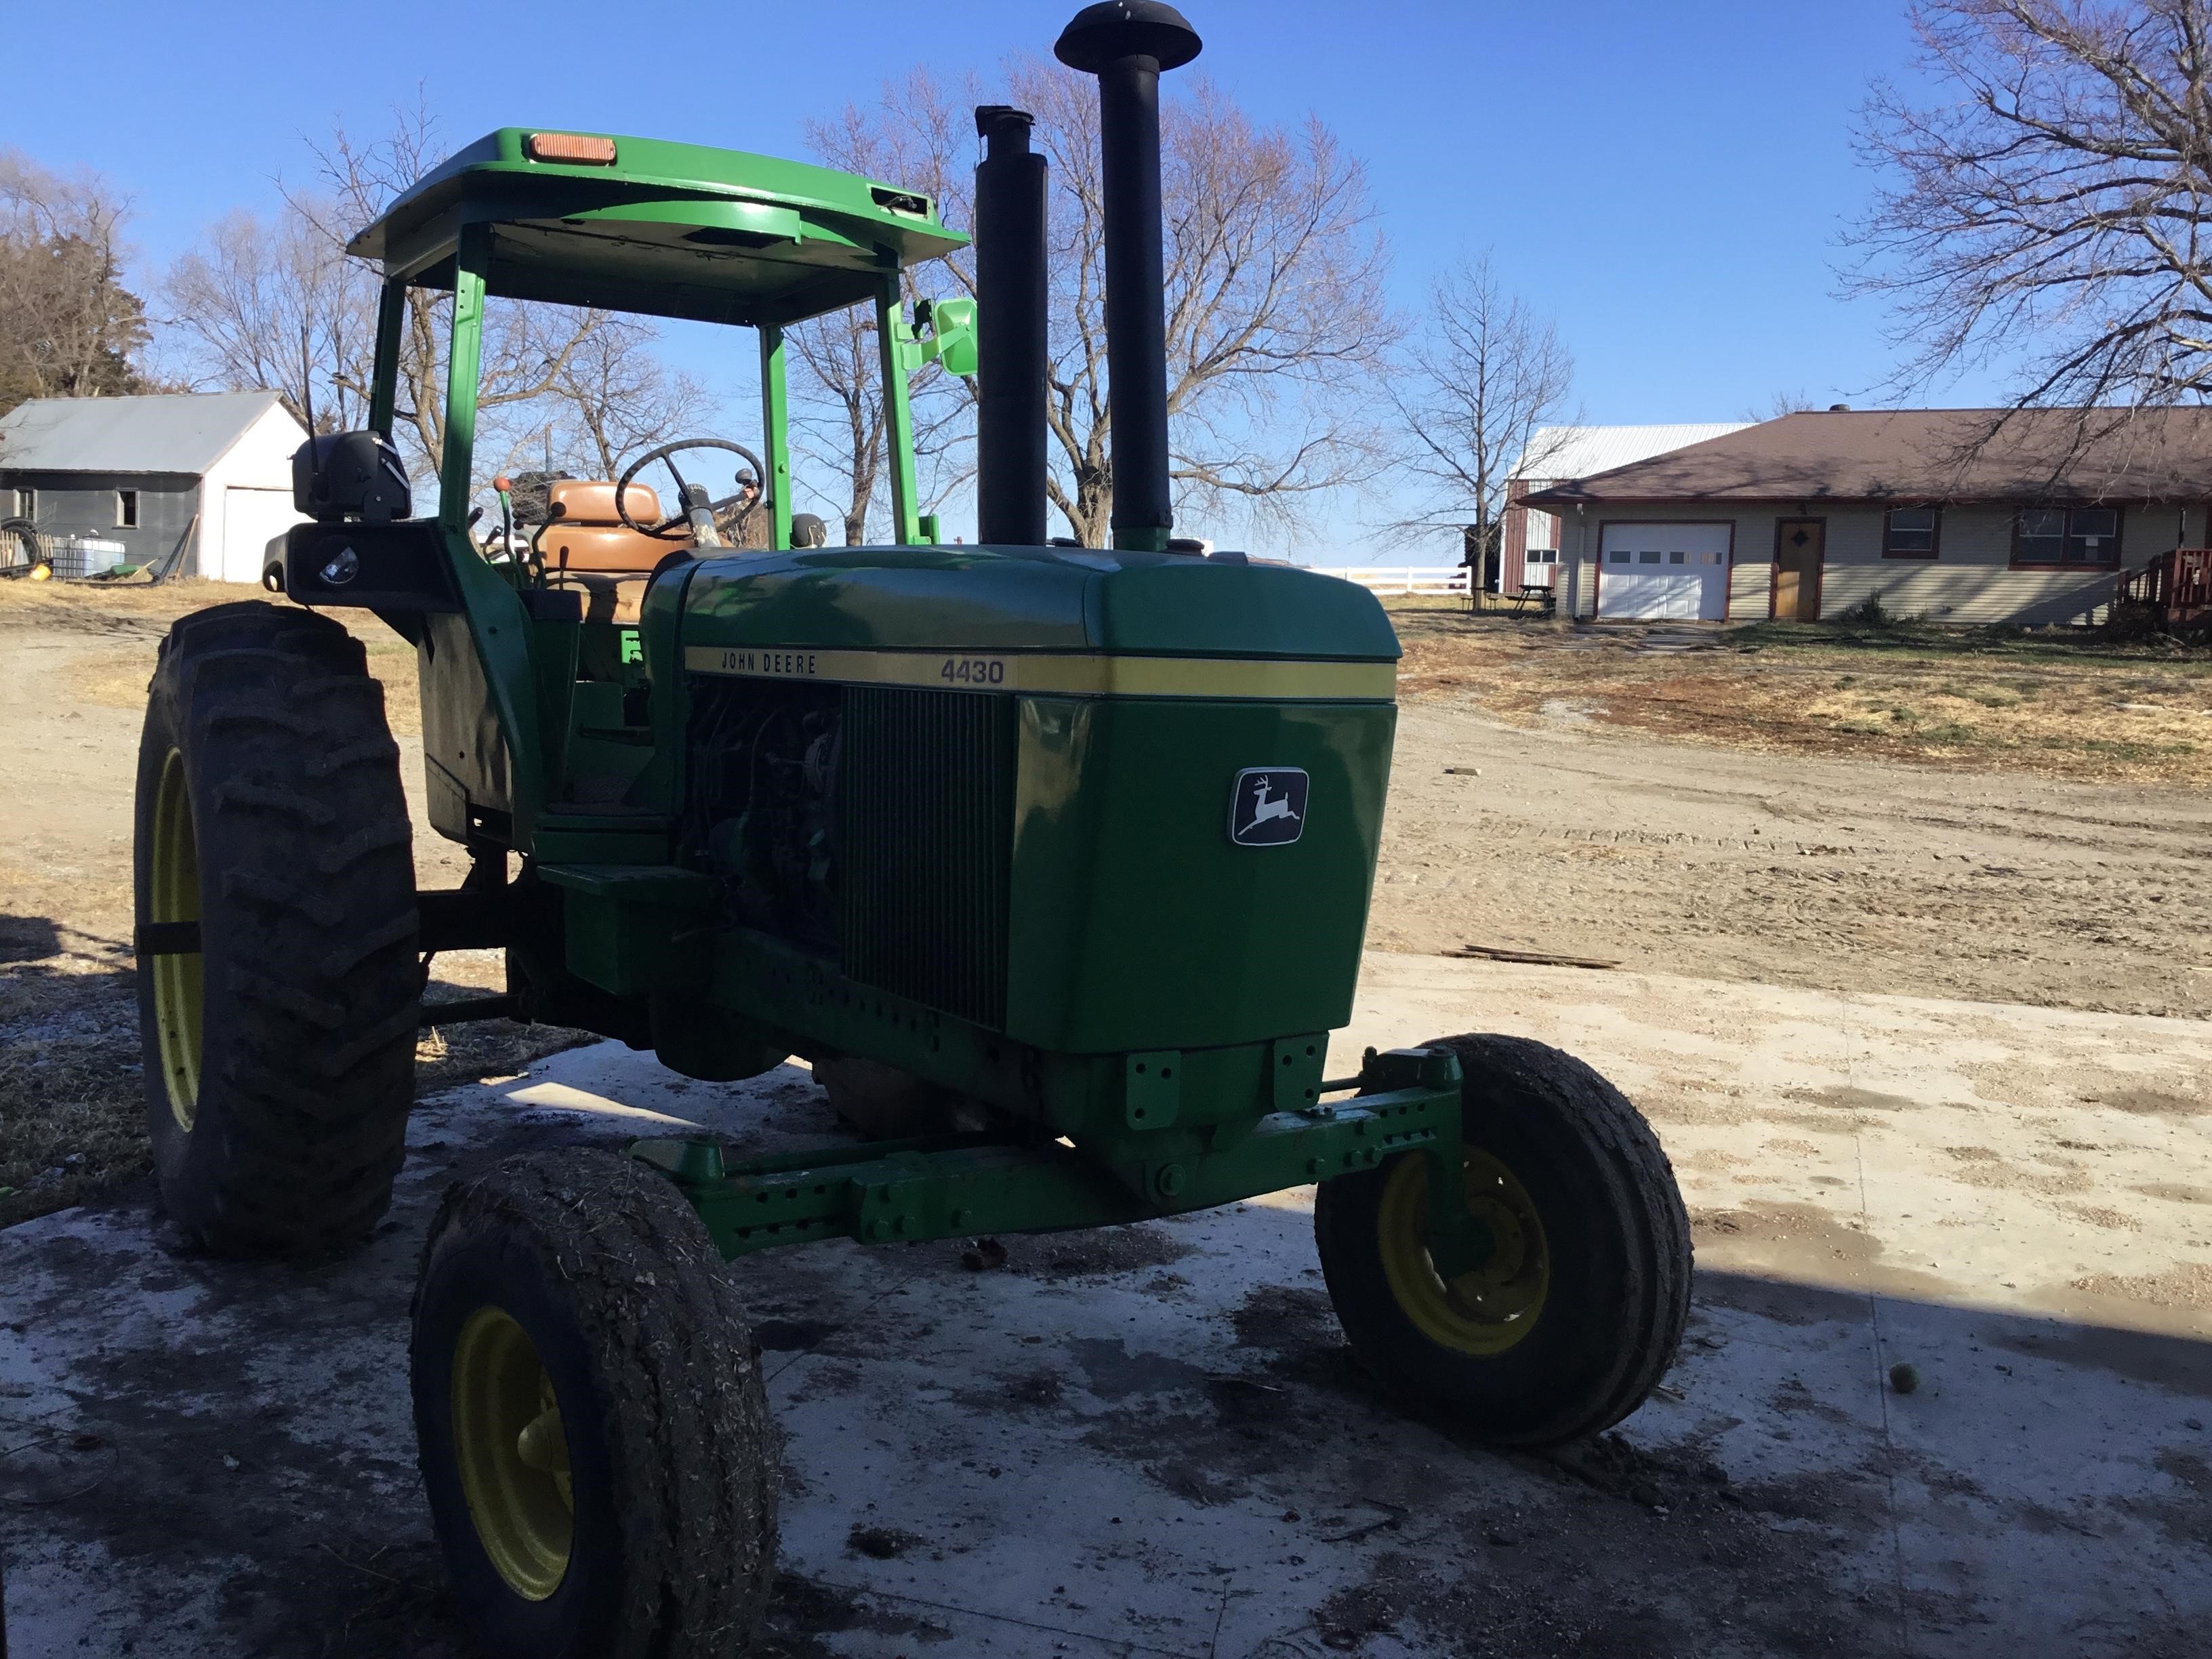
(644, 225)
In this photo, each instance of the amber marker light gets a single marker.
(574, 148)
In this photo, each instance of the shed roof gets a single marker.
(185, 432)
(1927, 455)
(1577, 451)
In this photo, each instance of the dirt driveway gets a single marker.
(1793, 869)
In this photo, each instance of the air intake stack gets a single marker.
(1128, 45)
(1010, 295)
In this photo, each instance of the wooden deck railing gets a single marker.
(2178, 584)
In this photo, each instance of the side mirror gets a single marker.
(350, 474)
(953, 336)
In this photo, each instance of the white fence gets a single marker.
(1403, 578)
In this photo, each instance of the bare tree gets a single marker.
(69, 328)
(615, 397)
(1480, 392)
(280, 305)
(1781, 404)
(918, 136)
(2049, 214)
(526, 348)
(837, 410)
(1275, 316)
(277, 305)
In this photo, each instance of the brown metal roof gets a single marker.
(1927, 455)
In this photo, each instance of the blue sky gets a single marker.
(1666, 182)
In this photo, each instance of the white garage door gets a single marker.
(251, 518)
(1678, 572)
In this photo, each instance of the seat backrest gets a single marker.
(587, 534)
(592, 500)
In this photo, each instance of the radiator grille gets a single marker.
(926, 812)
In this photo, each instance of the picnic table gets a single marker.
(1537, 597)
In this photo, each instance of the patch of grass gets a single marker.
(1967, 698)
(1951, 735)
(2121, 749)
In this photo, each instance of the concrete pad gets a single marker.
(1149, 1440)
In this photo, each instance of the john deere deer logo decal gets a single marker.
(1267, 807)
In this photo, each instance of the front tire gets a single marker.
(590, 1416)
(1576, 1312)
(279, 1057)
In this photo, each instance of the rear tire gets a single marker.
(579, 1290)
(280, 1058)
(1579, 1311)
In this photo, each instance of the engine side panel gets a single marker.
(1138, 923)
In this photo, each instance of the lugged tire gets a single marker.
(1612, 1222)
(309, 987)
(644, 1348)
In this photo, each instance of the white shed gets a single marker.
(205, 476)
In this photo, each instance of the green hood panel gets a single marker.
(960, 598)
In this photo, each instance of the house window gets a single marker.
(2092, 535)
(27, 504)
(1647, 558)
(126, 509)
(1908, 533)
(1621, 555)
(2062, 536)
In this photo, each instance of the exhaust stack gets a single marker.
(1010, 303)
(1128, 45)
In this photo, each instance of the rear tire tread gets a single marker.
(311, 992)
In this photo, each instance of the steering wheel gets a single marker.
(681, 519)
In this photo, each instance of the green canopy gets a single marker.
(667, 229)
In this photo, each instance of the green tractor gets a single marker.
(1054, 861)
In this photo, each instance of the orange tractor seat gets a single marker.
(587, 546)
(587, 534)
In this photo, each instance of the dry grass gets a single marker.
(2060, 706)
(132, 619)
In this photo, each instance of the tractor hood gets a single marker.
(1036, 602)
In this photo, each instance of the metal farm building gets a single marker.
(206, 477)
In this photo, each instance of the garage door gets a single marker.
(251, 518)
(1675, 571)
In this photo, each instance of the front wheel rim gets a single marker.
(1492, 1307)
(175, 897)
(512, 1449)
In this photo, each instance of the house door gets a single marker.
(1798, 546)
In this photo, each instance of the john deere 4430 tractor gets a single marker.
(1052, 860)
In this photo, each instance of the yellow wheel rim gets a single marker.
(1488, 1310)
(176, 897)
(512, 1453)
